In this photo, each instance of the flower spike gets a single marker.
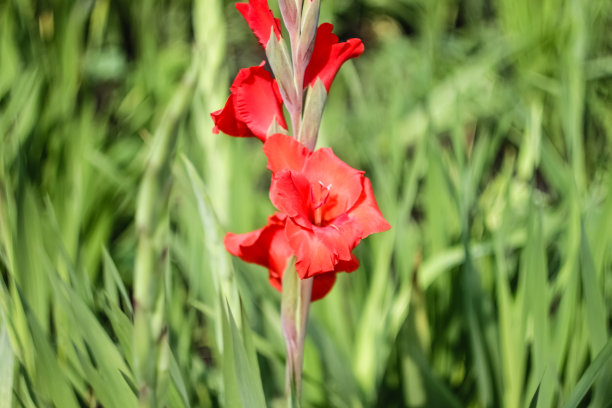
(325, 207)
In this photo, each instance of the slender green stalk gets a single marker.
(294, 317)
(301, 20)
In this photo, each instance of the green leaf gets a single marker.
(242, 385)
(49, 377)
(595, 309)
(177, 379)
(590, 375)
(111, 270)
(6, 367)
(534, 399)
(106, 370)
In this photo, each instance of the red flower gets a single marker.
(329, 205)
(270, 248)
(328, 56)
(253, 106)
(259, 17)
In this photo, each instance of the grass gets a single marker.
(485, 128)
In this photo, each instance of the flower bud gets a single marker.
(279, 60)
(290, 12)
(313, 111)
(310, 21)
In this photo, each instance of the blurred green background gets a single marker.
(485, 127)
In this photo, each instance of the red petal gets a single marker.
(348, 266)
(290, 192)
(342, 181)
(322, 284)
(276, 280)
(342, 236)
(261, 20)
(328, 56)
(321, 249)
(285, 153)
(225, 121)
(367, 213)
(267, 246)
(257, 100)
(312, 256)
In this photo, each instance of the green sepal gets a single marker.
(275, 128)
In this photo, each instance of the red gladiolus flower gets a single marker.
(329, 205)
(259, 17)
(328, 56)
(253, 106)
(270, 248)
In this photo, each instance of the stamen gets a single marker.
(320, 198)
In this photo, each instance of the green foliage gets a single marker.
(485, 128)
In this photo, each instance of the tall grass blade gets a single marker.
(242, 387)
(7, 364)
(602, 360)
(595, 309)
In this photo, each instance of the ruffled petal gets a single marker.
(341, 180)
(328, 56)
(267, 246)
(284, 153)
(243, 246)
(258, 102)
(260, 19)
(366, 212)
(312, 256)
(321, 249)
(348, 266)
(341, 237)
(322, 284)
(289, 192)
(226, 121)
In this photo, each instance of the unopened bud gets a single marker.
(310, 22)
(313, 112)
(279, 60)
(290, 12)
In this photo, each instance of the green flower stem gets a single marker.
(151, 256)
(295, 306)
(295, 303)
